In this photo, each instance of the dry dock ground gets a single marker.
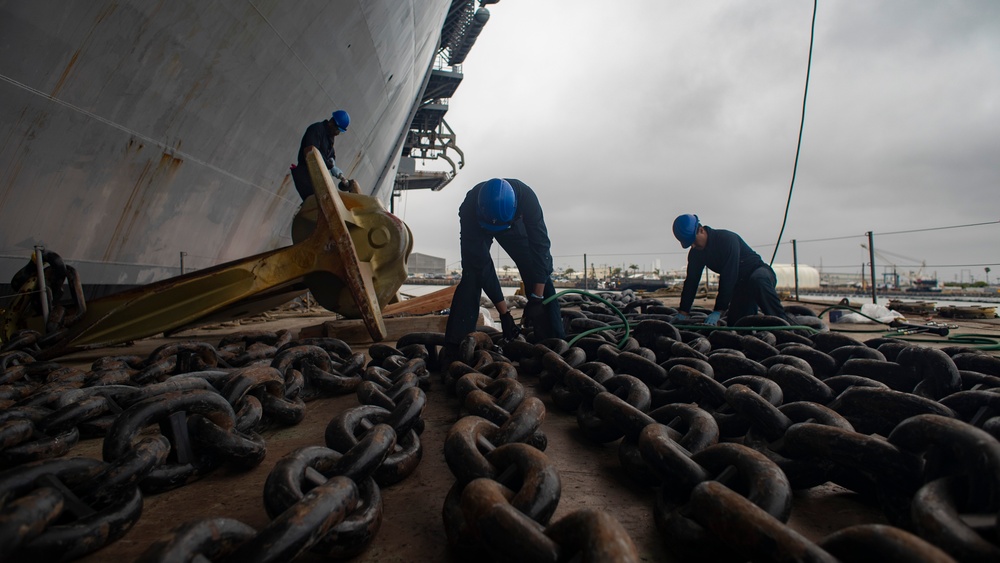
(412, 527)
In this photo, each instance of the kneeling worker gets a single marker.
(746, 282)
(506, 210)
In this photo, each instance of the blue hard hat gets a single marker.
(685, 229)
(341, 120)
(496, 205)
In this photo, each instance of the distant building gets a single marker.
(842, 279)
(425, 265)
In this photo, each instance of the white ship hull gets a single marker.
(136, 136)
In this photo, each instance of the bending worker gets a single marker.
(507, 210)
(320, 135)
(746, 282)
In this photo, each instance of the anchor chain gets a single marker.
(843, 398)
(720, 427)
(63, 509)
(328, 499)
(506, 489)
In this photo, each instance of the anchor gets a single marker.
(348, 251)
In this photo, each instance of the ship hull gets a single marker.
(140, 138)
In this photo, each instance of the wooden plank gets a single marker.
(354, 331)
(430, 303)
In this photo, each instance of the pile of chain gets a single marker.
(722, 427)
(506, 489)
(725, 426)
(210, 404)
(327, 499)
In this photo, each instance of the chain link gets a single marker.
(721, 427)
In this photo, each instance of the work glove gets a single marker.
(713, 318)
(681, 317)
(534, 312)
(336, 172)
(510, 330)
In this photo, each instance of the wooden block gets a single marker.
(353, 331)
(425, 304)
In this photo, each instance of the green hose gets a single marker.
(628, 326)
(851, 309)
(624, 324)
(600, 329)
(985, 342)
(747, 328)
(977, 341)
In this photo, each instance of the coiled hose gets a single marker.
(984, 342)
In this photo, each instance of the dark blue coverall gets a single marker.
(745, 280)
(526, 242)
(316, 135)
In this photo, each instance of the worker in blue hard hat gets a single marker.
(746, 282)
(320, 135)
(506, 210)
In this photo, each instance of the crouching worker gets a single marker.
(746, 282)
(506, 210)
(320, 135)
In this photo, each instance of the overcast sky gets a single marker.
(623, 115)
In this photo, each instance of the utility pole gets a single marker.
(871, 258)
(795, 267)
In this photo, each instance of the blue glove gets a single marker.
(336, 172)
(680, 317)
(713, 318)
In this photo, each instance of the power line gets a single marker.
(938, 228)
(877, 265)
(909, 231)
(801, 241)
(828, 239)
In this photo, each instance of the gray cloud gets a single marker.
(623, 118)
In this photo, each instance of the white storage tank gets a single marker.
(808, 276)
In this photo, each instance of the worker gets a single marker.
(506, 210)
(746, 282)
(320, 135)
